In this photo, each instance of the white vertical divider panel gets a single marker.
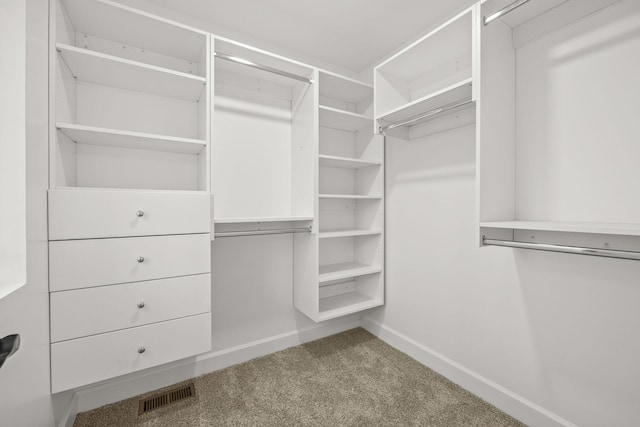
(306, 246)
(495, 124)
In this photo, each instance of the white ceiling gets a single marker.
(352, 34)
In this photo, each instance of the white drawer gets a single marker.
(86, 214)
(77, 264)
(83, 312)
(87, 360)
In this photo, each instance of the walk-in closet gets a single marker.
(270, 213)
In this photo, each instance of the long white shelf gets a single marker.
(344, 88)
(456, 92)
(345, 271)
(343, 120)
(348, 303)
(569, 227)
(262, 219)
(349, 196)
(327, 234)
(346, 162)
(92, 135)
(109, 70)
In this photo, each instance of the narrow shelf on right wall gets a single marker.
(623, 229)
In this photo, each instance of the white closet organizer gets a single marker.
(557, 135)
(430, 79)
(339, 270)
(129, 199)
(264, 144)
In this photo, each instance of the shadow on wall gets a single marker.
(583, 314)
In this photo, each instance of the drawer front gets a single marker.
(77, 264)
(83, 312)
(87, 360)
(86, 214)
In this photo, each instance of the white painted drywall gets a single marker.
(13, 242)
(559, 331)
(25, 399)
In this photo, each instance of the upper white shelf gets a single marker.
(569, 227)
(92, 135)
(343, 120)
(457, 92)
(109, 70)
(109, 20)
(346, 162)
(343, 88)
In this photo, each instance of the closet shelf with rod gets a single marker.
(607, 253)
(241, 233)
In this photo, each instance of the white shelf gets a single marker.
(345, 271)
(92, 135)
(349, 196)
(327, 234)
(569, 227)
(108, 70)
(344, 304)
(346, 162)
(135, 28)
(456, 92)
(344, 88)
(343, 120)
(262, 219)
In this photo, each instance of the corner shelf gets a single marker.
(92, 135)
(262, 219)
(345, 270)
(459, 91)
(340, 305)
(109, 70)
(343, 120)
(349, 196)
(328, 234)
(346, 162)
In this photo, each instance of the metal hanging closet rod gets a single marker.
(607, 253)
(507, 9)
(423, 116)
(266, 68)
(262, 232)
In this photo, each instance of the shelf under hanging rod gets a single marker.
(507, 9)
(422, 116)
(262, 232)
(262, 67)
(607, 253)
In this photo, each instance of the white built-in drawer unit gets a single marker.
(86, 214)
(110, 308)
(87, 360)
(77, 264)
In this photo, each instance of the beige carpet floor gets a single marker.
(349, 379)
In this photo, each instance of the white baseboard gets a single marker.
(500, 397)
(111, 391)
(69, 416)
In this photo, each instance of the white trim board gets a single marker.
(69, 416)
(111, 391)
(507, 401)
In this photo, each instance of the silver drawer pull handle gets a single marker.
(141, 350)
(140, 214)
(140, 259)
(141, 304)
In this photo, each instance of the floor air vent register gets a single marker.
(166, 398)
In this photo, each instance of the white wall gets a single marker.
(24, 379)
(551, 338)
(13, 249)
